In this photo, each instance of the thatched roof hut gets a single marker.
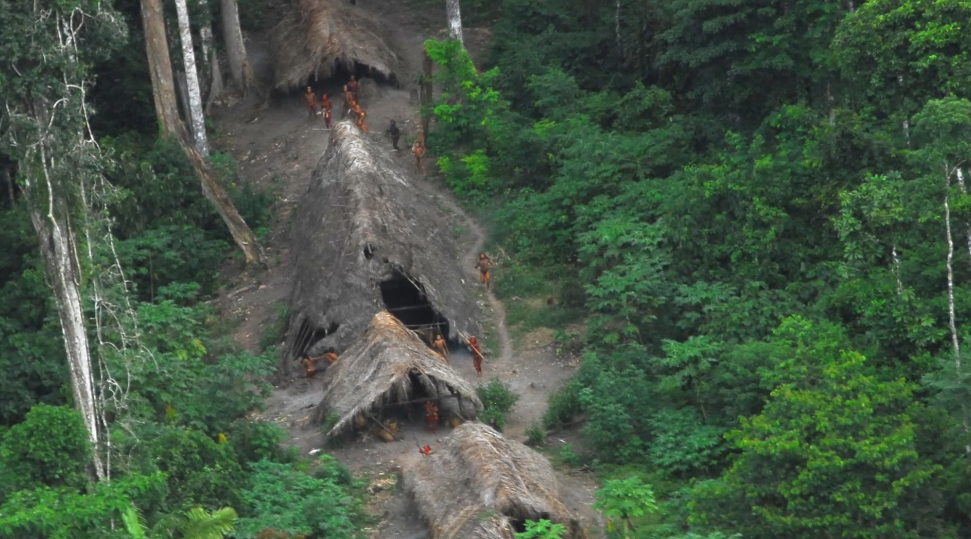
(383, 368)
(365, 240)
(317, 36)
(478, 484)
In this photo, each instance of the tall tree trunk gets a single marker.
(454, 19)
(620, 47)
(235, 47)
(160, 67)
(196, 119)
(183, 87)
(216, 86)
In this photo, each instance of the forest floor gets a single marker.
(277, 147)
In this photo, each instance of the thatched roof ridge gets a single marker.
(375, 371)
(362, 222)
(315, 36)
(477, 483)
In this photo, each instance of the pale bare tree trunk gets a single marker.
(196, 119)
(57, 247)
(239, 65)
(160, 67)
(896, 269)
(955, 341)
(210, 62)
(454, 19)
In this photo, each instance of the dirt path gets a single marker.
(278, 147)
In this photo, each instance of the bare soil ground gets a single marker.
(278, 147)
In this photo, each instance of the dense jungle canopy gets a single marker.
(750, 220)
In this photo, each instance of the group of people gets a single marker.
(349, 104)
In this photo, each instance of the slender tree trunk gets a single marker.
(620, 47)
(239, 65)
(217, 87)
(196, 119)
(58, 251)
(896, 269)
(955, 341)
(160, 67)
(183, 87)
(454, 19)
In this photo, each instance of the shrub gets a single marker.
(50, 448)
(535, 435)
(563, 406)
(497, 400)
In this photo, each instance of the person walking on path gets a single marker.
(477, 357)
(485, 276)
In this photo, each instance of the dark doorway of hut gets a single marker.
(333, 85)
(409, 304)
(409, 409)
(308, 336)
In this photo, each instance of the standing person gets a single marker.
(360, 114)
(441, 347)
(325, 107)
(485, 277)
(355, 88)
(395, 135)
(477, 358)
(311, 99)
(419, 150)
(346, 99)
(431, 416)
(308, 363)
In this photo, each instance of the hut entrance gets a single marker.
(410, 408)
(406, 302)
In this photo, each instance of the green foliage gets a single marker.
(569, 457)
(835, 446)
(65, 513)
(196, 523)
(497, 399)
(541, 529)
(281, 498)
(624, 499)
(199, 470)
(563, 406)
(535, 435)
(49, 449)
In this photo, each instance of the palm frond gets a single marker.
(199, 524)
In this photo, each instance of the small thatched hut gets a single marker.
(478, 484)
(365, 240)
(389, 365)
(315, 37)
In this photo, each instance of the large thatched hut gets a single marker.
(365, 240)
(480, 485)
(387, 366)
(315, 38)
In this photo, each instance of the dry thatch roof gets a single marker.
(478, 484)
(316, 36)
(360, 226)
(377, 371)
